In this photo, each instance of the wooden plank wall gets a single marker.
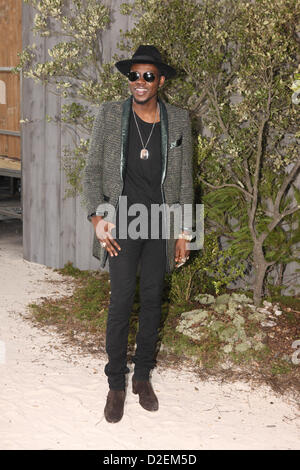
(10, 45)
(55, 229)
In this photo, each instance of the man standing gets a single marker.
(140, 148)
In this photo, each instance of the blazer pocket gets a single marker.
(176, 143)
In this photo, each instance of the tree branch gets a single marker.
(277, 218)
(248, 195)
(276, 214)
(259, 154)
(214, 100)
(234, 176)
(247, 175)
(287, 180)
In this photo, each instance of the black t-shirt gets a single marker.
(143, 177)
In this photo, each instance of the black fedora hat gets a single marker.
(146, 55)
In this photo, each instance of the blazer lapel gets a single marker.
(125, 127)
(164, 139)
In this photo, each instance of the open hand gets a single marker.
(182, 252)
(103, 232)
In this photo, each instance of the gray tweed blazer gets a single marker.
(104, 172)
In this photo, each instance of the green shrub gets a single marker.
(208, 271)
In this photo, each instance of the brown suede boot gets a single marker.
(147, 397)
(114, 407)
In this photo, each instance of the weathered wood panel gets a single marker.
(33, 155)
(10, 114)
(10, 31)
(10, 45)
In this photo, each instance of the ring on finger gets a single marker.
(103, 244)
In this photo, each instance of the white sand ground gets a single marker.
(52, 395)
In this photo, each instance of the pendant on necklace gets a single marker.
(144, 154)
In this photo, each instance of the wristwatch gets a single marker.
(185, 236)
(95, 213)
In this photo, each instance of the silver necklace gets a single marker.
(144, 155)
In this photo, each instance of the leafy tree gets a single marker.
(236, 61)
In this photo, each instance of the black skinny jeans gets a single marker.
(151, 253)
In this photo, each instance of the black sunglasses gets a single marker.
(134, 76)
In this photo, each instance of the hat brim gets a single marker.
(124, 66)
